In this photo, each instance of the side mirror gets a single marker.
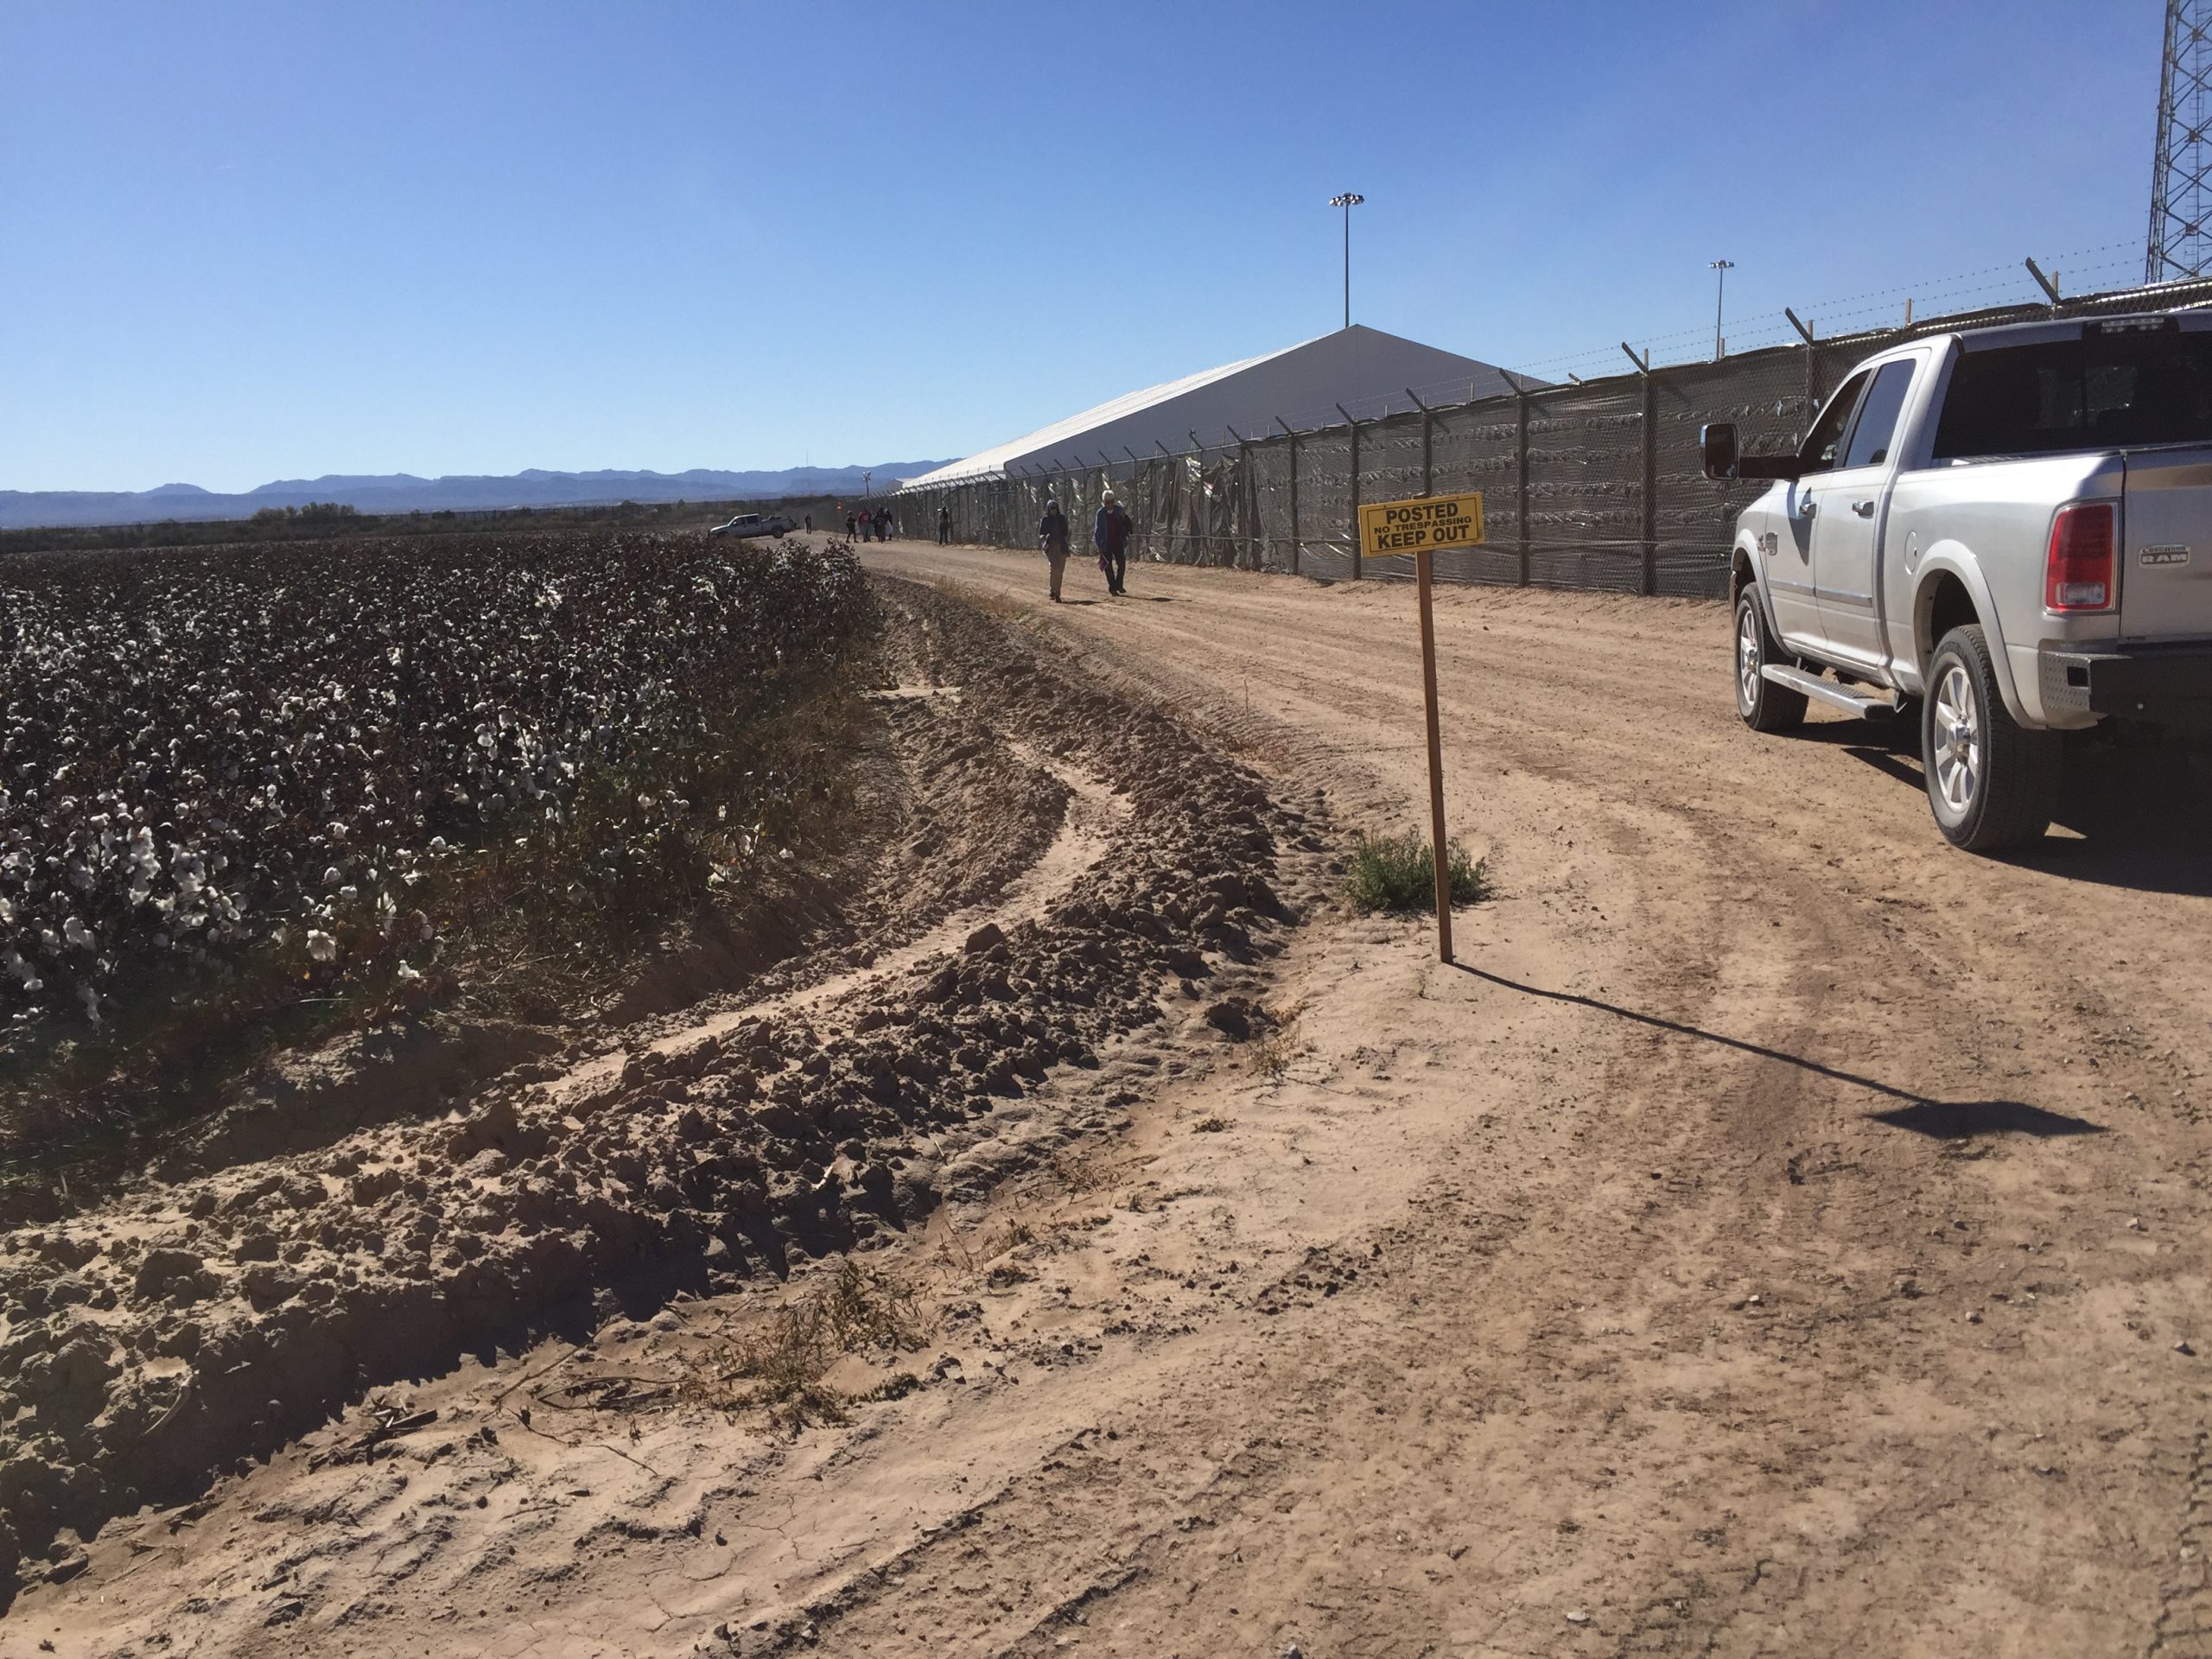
(1717, 444)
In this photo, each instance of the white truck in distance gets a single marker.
(2009, 528)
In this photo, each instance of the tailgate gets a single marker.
(2165, 578)
(2166, 538)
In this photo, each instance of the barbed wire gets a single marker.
(1989, 289)
(1952, 292)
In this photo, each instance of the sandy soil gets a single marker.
(1781, 1235)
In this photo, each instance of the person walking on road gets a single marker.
(1052, 535)
(1110, 532)
(809, 523)
(852, 527)
(883, 523)
(945, 526)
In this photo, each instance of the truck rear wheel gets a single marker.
(1992, 782)
(1764, 706)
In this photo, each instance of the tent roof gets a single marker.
(1363, 368)
(986, 463)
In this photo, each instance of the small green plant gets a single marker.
(1395, 873)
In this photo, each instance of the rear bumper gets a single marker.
(2143, 682)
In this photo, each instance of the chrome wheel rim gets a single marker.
(1747, 658)
(1954, 742)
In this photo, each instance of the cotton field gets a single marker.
(255, 760)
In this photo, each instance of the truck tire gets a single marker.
(1992, 782)
(1764, 706)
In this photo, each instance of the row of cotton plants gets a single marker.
(223, 761)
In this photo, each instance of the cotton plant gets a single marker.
(214, 757)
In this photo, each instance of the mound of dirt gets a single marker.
(150, 1344)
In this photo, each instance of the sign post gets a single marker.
(1389, 529)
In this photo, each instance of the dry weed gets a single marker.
(780, 1366)
(1273, 1053)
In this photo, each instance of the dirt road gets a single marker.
(1782, 1235)
(1801, 1224)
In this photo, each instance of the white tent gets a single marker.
(1365, 370)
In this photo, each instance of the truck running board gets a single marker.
(1827, 691)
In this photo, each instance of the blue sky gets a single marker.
(240, 243)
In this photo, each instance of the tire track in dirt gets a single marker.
(768, 1141)
(1814, 1187)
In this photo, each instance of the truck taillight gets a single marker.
(2077, 571)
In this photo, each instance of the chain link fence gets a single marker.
(1593, 485)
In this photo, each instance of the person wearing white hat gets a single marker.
(1109, 533)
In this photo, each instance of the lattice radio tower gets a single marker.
(2181, 172)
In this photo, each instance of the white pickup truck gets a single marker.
(2009, 529)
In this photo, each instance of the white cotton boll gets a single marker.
(78, 934)
(349, 892)
(7, 908)
(408, 970)
(332, 877)
(322, 946)
(91, 998)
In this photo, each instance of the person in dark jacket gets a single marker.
(883, 523)
(945, 526)
(1053, 536)
(852, 526)
(1109, 533)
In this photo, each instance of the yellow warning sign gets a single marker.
(1421, 525)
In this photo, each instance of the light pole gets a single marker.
(868, 490)
(1724, 266)
(1347, 201)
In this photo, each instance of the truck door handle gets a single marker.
(1807, 508)
(1864, 509)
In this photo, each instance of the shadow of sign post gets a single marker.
(1939, 1120)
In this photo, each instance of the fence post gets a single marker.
(1248, 495)
(1358, 564)
(1294, 547)
(1651, 481)
(1427, 428)
(1812, 383)
(1520, 475)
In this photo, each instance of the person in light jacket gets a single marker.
(1053, 536)
(1109, 533)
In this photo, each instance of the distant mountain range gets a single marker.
(404, 492)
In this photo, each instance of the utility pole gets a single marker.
(866, 479)
(1347, 200)
(1719, 346)
(2181, 169)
